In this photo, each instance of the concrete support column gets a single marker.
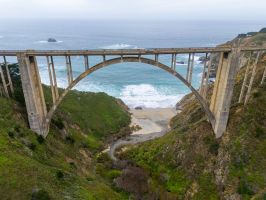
(33, 94)
(223, 90)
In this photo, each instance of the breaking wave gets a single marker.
(146, 95)
(120, 46)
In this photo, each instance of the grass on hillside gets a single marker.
(62, 166)
(185, 162)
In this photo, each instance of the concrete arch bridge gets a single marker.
(217, 111)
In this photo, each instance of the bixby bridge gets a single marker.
(217, 110)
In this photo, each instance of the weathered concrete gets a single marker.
(33, 94)
(217, 112)
(223, 90)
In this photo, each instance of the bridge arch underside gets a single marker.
(118, 60)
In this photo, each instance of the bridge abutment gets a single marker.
(33, 93)
(223, 90)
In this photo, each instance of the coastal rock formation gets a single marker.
(51, 40)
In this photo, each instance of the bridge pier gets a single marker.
(33, 93)
(223, 90)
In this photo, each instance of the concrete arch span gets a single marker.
(118, 60)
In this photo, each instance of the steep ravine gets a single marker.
(189, 163)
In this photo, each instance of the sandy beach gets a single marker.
(154, 123)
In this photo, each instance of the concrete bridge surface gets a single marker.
(217, 110)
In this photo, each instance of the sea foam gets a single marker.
(148, 96)
(120, 46)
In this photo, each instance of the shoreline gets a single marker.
(154, 123)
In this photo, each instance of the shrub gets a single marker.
(70, 140)
(73, 165)
(40, 139)
(257, 94)
(89, 178)
(32, 146)
(214, 147)
(59, 175)
(212, 143)
(243, 188)
(40, 195)
(11, 134)
(84, 145)
(259, 132)
(58, 122)
(17, 128)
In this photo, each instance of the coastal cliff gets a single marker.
(186, 163)
(189, 163)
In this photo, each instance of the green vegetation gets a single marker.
(100, 116)
(62, 166)
(190, 163)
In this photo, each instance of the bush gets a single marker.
(32, 146)
(257, 94)
(212, 143)
(40, 139)
(58, 122)
(259, 132)
(214, 147)
(244, 188)
(84, 145)
(17, 128)
(40, 195)
(90, 179)
(11, 134)
(59, 175)
(73, 165)
(70, 140)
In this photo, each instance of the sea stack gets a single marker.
(51, 40)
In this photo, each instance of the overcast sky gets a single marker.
(135, 9)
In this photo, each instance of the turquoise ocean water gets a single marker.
(136, 84)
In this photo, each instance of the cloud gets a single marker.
(137, 9)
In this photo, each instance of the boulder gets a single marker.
(51, 40)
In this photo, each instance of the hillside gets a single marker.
(189, 163)
(62, 166)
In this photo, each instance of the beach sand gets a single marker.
(152, 120)
(154, 123)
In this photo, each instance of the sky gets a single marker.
(135, 9)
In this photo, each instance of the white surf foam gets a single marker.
(120, 46)
(146, 95)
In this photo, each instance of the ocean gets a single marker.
(136, 84)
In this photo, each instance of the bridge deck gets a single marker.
(100, 52)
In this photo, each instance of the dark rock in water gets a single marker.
(138, 108)
(51, 40)
(180, 62)
(204, 59)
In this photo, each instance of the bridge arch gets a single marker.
(129, 59)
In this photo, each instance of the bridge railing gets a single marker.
(217, 61)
